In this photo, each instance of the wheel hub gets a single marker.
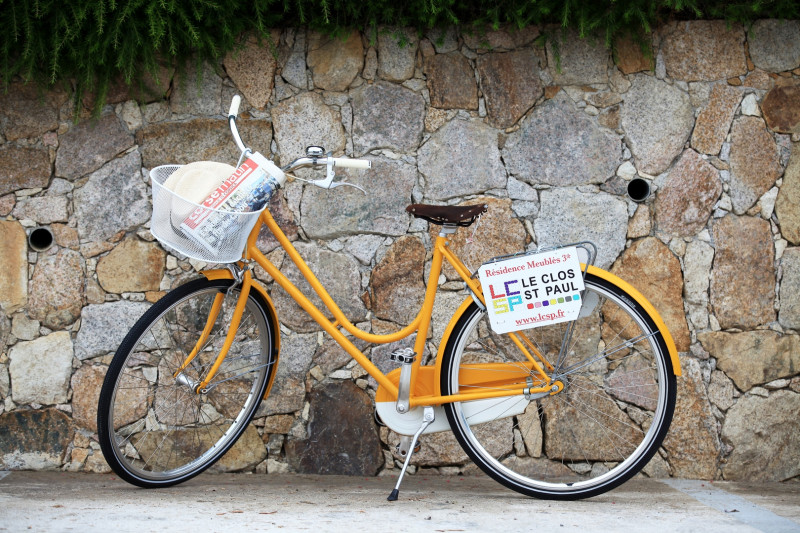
(186, 381)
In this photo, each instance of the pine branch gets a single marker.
(96, 41)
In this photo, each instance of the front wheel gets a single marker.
(155, 429)
(602, 428)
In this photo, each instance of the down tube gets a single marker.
(322, 320)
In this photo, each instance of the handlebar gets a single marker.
(234, 110)
(232, 113)
(309, 161)
(342, 162)
(345, 162)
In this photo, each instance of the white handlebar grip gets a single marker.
(351, 163)
(234, 111)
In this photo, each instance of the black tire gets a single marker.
(154, 429)
(599, 431)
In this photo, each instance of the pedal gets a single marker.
(404, 356)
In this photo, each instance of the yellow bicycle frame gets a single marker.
(424, 386)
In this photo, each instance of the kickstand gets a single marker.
(427, 418)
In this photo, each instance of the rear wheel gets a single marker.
(600, 430)
(154, 429)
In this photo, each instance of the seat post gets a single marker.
(447, 230)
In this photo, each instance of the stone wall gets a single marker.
(712, 123)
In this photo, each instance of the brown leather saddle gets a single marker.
(457, 215)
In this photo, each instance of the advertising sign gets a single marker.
(532, 290)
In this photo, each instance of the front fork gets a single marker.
(242, 277)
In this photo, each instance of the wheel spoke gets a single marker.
(155, 430)
(605, 354)
(598, 430)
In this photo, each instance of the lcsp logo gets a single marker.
(505, 302)
(556, 287)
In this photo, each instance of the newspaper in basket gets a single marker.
(215, 230)
(248, 189)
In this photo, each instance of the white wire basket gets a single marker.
(169, 224)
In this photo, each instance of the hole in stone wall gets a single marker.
(40, 239)
(638, 190)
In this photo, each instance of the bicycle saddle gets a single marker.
(459, 215)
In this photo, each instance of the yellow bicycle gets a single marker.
(567, 410)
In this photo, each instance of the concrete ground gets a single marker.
(58, 501)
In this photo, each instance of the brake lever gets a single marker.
(347, 184)
(330, 175)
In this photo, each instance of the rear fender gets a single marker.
(641, 300)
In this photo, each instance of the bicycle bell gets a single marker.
(315, 151)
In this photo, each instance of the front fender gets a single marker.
(273, 315)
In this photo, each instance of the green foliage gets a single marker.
(89, 43)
